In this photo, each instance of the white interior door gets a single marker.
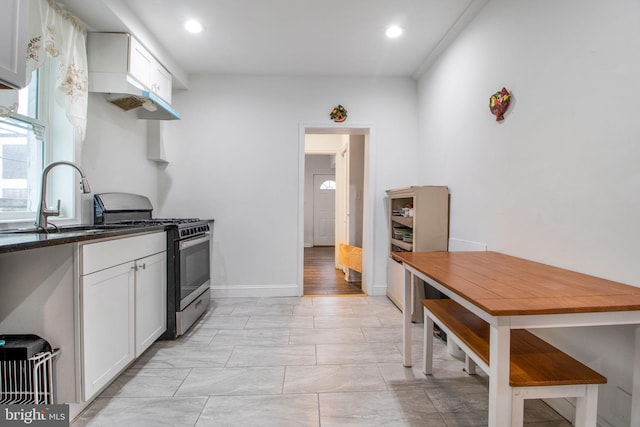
(324, 211)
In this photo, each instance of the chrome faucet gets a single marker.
(43, 211)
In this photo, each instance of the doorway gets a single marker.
(319, 270)
(321, 277)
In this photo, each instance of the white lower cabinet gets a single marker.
(123, 304)
(107, 321)
(150, 300)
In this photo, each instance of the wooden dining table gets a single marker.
(515, 293)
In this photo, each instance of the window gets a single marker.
(13, 164)
(328, 185)
(36, 135)
(21, 152)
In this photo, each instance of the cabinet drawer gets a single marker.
(101, 255)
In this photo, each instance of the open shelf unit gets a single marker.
(419, 222)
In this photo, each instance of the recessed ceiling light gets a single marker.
(393, 32)
(193, 26)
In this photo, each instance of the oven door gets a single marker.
(194, 267)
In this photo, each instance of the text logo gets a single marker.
(34, 415)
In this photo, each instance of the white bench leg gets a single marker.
(517, 408)
(499, 362)
(427, 349)
(469, 365)
(587, 407)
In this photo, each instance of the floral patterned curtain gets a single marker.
(57, 33)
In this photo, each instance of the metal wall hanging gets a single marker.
(338, 114)
(499, 102)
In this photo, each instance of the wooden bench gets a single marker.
(537, 369)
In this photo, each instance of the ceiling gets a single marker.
(285, 37)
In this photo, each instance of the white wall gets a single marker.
(114, 154)
(235, 157)
(314, 164)
(558, 181)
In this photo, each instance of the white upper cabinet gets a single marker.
(148, 71)
(114, 57)
(14, 21)
(140, 62)
(161, 82)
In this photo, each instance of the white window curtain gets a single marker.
(57, 33)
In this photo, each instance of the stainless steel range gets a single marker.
(188, 255)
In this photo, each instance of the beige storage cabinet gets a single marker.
(418, 222)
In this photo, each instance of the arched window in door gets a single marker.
(328, 185)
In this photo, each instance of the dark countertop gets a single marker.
(12, 241)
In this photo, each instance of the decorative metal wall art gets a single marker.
(338, 114)
(499, 102)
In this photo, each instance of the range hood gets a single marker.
(147, 105)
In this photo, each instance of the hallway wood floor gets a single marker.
(321, 276)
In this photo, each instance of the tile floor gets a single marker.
(313, 361)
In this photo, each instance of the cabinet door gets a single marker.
(151, 300)
(161, 82)
(140, 63)
(107, 325)
(13, 48)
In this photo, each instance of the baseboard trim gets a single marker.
(243, 291)
(265, 291)
(379, 290)
(457, 245)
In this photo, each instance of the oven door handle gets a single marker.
(195, 241)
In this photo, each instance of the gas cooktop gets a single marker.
(157, 221)
(186, 227)
(125, 209)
